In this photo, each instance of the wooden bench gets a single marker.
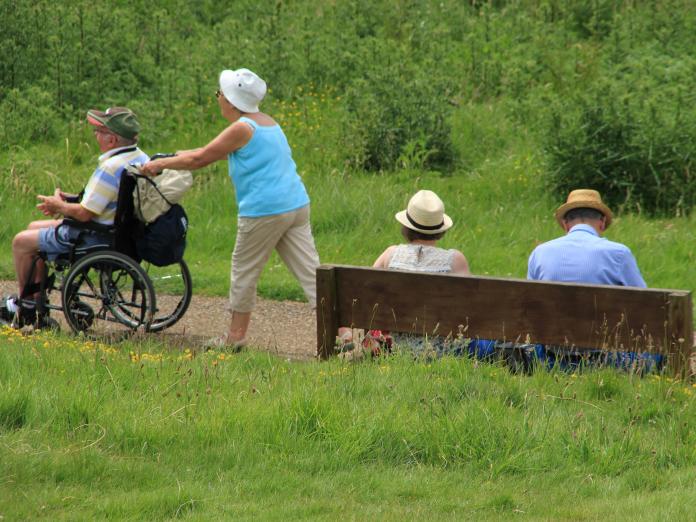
(567, 314)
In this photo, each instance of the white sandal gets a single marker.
(221, 342)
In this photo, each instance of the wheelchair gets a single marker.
(105, 289)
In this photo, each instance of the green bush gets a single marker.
(632, 137)
(28, 116)
(402, 116)
(591, 19)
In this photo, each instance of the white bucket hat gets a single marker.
(243, 89)
(425, 214)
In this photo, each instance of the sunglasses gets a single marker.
(218, 93)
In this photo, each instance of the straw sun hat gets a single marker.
(425, 214)
(583, 198)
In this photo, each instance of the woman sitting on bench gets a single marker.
(423, 223)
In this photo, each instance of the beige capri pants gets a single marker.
(291, 235)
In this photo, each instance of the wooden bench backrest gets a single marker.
(610, 317)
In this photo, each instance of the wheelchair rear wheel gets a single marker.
(173, 290)
(107, 294)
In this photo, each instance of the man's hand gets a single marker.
(51, 205)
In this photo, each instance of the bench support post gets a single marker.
(680, 333)
(327, 311)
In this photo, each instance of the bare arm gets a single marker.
(384, 258)
(188, 151)
(232, 138)
(460, 266)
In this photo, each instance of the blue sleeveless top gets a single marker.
(264, 174)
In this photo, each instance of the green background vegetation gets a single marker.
(500, 107)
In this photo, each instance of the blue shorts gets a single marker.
(60, 240)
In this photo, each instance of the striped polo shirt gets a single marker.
(101, 192)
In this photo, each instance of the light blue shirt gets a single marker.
(582, 256)
(264, 174)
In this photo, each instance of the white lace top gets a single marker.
(421, 258)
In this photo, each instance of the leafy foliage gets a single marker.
(631, 136)
(401, 114)
(399, 66)
(481, 101)
(28, 116)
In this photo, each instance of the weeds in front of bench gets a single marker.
(519, 355)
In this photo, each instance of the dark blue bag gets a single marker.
(163, 241)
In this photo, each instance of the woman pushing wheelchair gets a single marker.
(273, 205)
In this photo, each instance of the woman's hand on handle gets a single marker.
(152, 168)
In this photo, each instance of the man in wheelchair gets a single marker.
(116, 131)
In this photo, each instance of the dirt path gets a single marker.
(286, 328)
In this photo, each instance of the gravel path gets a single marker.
(286, 328)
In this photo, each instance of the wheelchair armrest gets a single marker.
(89, 225)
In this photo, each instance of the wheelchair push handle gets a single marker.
(135, 169)
(161, 155)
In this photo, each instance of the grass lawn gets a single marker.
(89, 431)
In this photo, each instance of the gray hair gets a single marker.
(582, 214)
(124, 142)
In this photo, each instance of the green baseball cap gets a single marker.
(119, 120)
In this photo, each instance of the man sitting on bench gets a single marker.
(116, 131)
(583, 256)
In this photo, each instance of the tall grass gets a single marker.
(84, 427)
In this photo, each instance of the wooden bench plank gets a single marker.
(610, 317)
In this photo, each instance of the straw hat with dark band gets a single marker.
(425, 214)
(584, 198)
